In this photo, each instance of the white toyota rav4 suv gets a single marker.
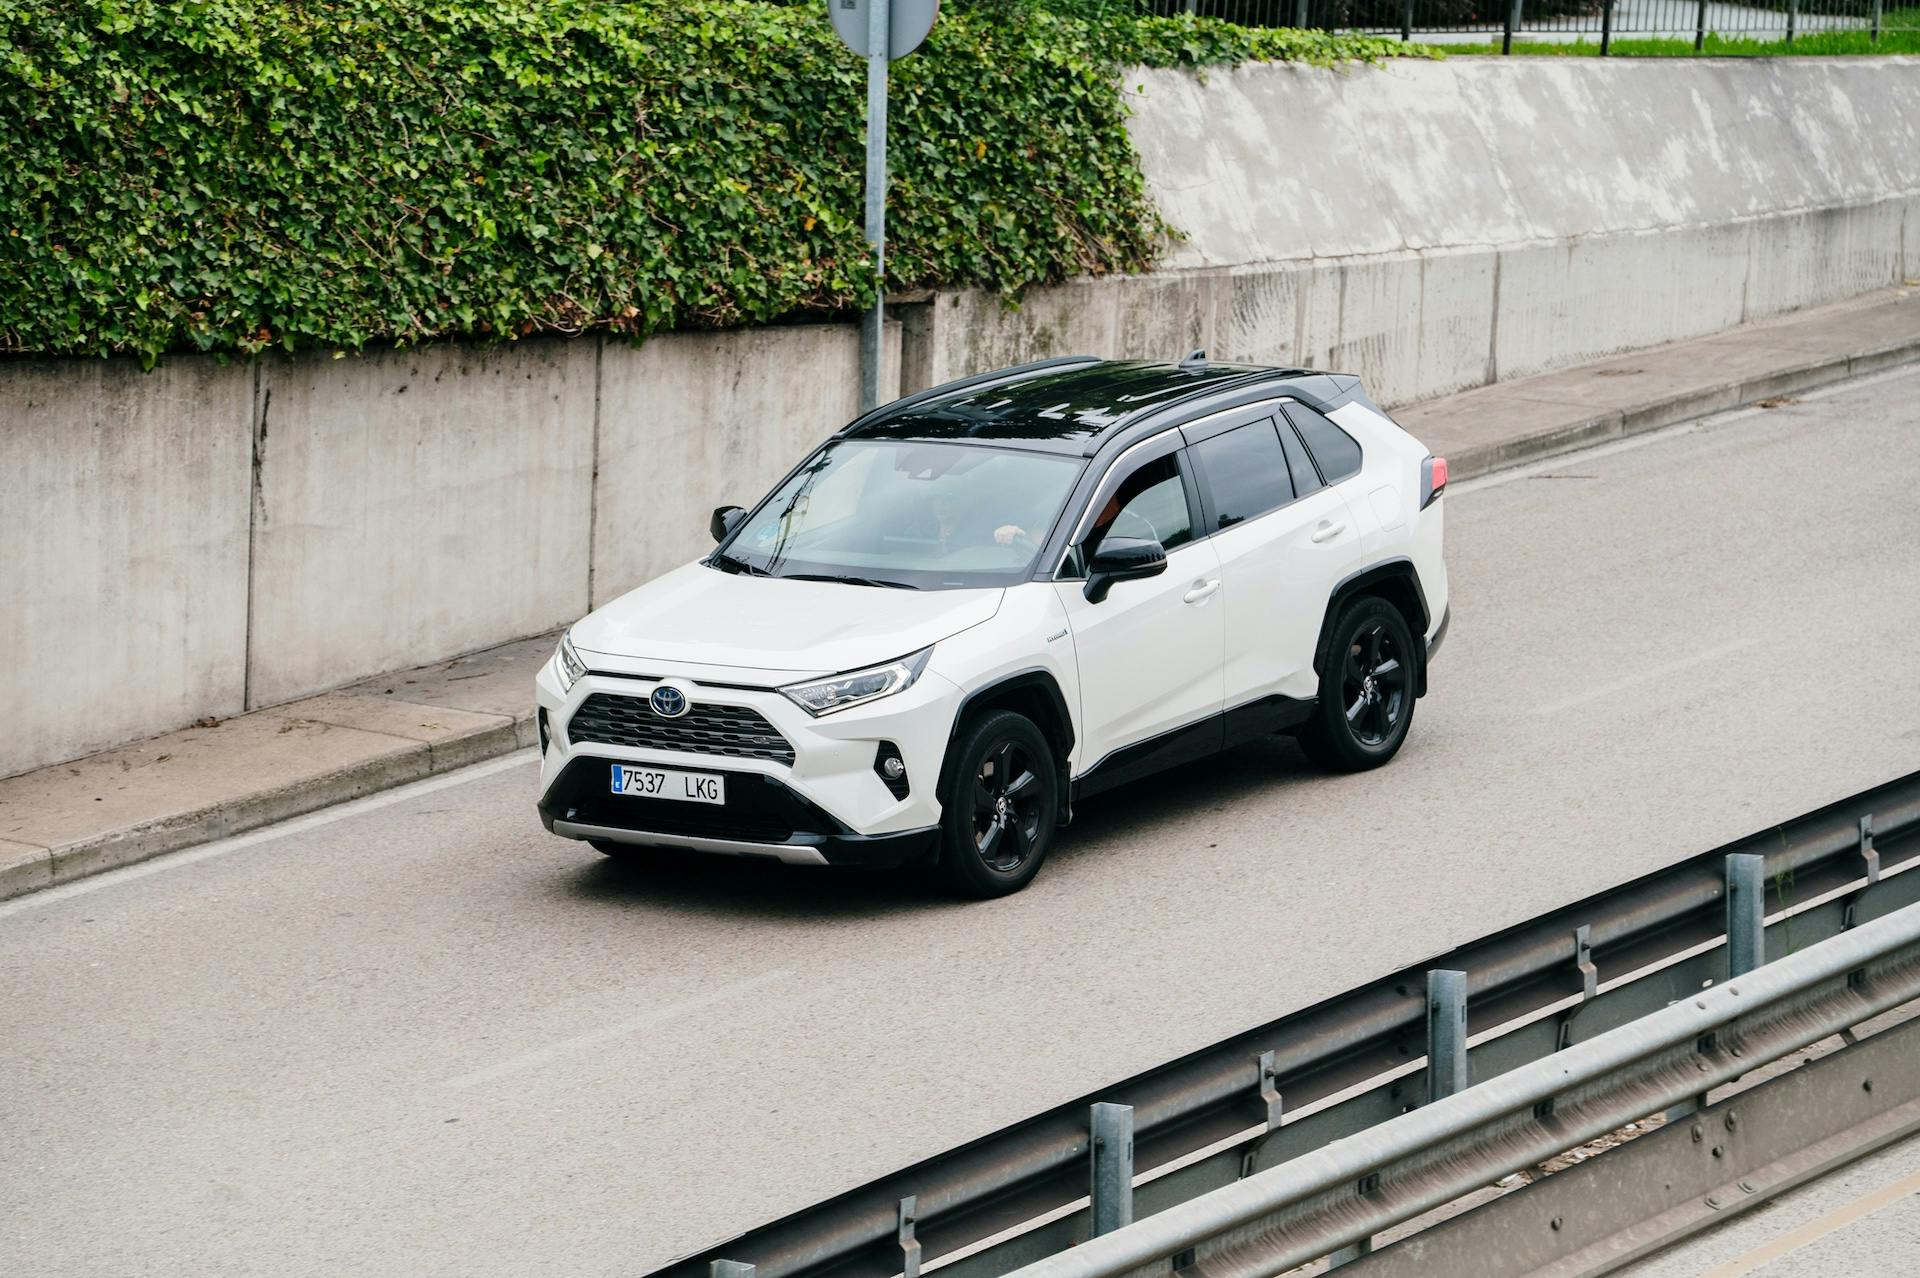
(976, 606)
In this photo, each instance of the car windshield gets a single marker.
(901, 513)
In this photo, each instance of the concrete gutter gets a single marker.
(128, 804)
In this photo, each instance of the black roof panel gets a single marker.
(1054, 409)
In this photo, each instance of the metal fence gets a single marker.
(1504, 22)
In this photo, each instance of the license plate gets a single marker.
(669, 783)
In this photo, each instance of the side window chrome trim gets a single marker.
(1207, 426)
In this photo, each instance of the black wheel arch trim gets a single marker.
(1364, 582)
(1035, 678)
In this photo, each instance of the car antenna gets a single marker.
(1194, 359)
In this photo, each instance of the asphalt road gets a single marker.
(419, 1035)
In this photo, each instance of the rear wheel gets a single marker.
(1001, 805)
(1366, 689)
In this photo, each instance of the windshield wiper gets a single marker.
(728, 563)
(851, 581)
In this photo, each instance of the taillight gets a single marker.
(1433, 480)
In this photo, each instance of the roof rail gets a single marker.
(969, 383)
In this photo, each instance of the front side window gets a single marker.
(1246, 472)
(1151, 504)
(905, 513)
(1332, 448)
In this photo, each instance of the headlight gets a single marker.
(568, 663)
(824, 696)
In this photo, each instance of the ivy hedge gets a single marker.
(228, 175)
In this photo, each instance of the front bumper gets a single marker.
(762, 818)
(828, 806)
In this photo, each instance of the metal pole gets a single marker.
(1446, 1033)
(1875, 37)
(1700, 27)
(1112, 1128)
(909, 1243)
(1793, 18)
(1446, 1059)
(873, 328)
(1606, 28)
(1406, 20)
(1300, 14)
(1746, 913)
(1513, 20)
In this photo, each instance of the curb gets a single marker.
(52, 867)
(84, 858)
(1471, 463)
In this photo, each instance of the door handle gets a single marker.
(1201, 590)
(1328, 530)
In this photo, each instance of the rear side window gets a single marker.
(1332, 448)
(1246, 472)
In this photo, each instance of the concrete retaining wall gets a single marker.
(1434, 226)
(208, 538)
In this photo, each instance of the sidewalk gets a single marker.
(128, 804)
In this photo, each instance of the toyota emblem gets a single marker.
(668, 703)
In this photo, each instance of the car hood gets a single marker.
(700, 615)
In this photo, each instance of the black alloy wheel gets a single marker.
(1367, 685)
(1002, 804)
(1375, 684)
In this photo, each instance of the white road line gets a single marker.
(619, 1029)
(297, 825)
(1671, 667)
(1794, 1239)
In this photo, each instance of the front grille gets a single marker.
(735, 731)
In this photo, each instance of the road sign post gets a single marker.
(873, 325)
(879, 31)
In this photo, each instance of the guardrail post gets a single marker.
(1606, 28)
(1446, 1033)
(1112, 1128)
(909, 1241)
(1746, 913)
(1700, 27)
(729, 1269)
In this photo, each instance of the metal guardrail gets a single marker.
(1500, 21)
(1358, 1060)
(1354, 1188)
(1221, 1115)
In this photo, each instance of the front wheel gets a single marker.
(1366, 689)
(1002, 802)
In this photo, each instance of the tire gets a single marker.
(1000, 806)
(1366, 689)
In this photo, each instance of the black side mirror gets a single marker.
(725, 519)
(1123, 559)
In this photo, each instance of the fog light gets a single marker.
(891, 769)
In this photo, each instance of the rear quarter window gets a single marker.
(1334, 451)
